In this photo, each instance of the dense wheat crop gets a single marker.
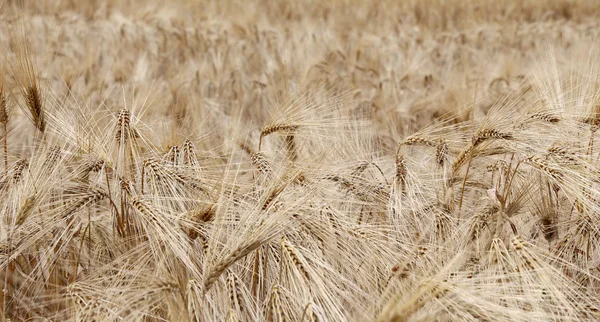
(300, 161)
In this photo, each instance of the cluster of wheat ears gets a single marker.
(156, 169)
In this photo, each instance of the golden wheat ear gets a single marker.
(27, 78)
(273, 128)
(123, 129)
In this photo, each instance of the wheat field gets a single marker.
(306, 160)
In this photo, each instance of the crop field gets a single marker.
(342, 160)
